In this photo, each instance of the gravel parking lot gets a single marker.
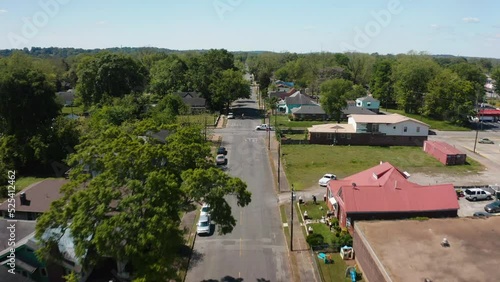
(468, 208)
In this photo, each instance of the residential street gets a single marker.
(256, 249)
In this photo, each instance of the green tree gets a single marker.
(107, 75)
(495, 75)
(360, 67)
(333, 96)
(471, 73)
(168, 75)
(411, 75)
(28, 108)
(130, 209)
(229, 87)
(381, 85)
(450, 98)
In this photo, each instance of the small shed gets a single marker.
(445, 153)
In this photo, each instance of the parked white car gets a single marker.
(230, 116)
(205, 210)
(475, 194)
(221, 160)
(326, 178)
(263, 127)
(203, 226)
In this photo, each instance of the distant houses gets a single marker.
(66, 98)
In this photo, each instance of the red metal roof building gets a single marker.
(444, 152)
(384, 192)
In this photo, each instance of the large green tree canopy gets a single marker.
(333, 96)
(130, 210)
(107, 75)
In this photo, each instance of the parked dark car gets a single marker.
(222, 151)
(493, 207)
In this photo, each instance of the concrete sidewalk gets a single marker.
(273, 155)
(303, 264)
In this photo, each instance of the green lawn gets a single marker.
(283, 122)
(305, 164)
(314, 211)
(198, 119)
(434, 124)
(329, 272)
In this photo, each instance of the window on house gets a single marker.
(418, 128)
(348, 135)
(368, 103)
(405, 129)
(329, 136)
(342, 135)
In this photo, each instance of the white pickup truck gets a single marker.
(263, 127)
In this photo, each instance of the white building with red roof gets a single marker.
(384, 192)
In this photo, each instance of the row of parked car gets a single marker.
(475, 194)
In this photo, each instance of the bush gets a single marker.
(315, 239)
(342, 238)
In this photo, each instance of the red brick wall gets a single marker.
(371, 271)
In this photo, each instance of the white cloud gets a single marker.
(101, 22)
(470, 20)
(3, 11)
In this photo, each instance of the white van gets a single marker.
(475, 194)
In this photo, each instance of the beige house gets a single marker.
(377, 130)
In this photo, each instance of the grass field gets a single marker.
(198, 119)
(305, 164)
(434, 124)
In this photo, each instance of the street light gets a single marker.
(291, 221)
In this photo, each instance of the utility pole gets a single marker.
(291, 223)
(279, 164)
(205, 127)
(478, 121)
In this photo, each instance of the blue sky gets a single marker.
(456, 27)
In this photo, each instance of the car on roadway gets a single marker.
(205, 210)
(230, 116)
(485, 141)
(475, 194)
(481, 214)
(221, 160)
(493, 207)
(326, 178)
(263, 127)
(203, 226)
(222, 151)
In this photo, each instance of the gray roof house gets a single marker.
(194, 100)
(66, 98)
(309, 112)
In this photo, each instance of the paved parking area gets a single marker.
(468, 208)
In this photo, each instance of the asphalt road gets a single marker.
(256, 249)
